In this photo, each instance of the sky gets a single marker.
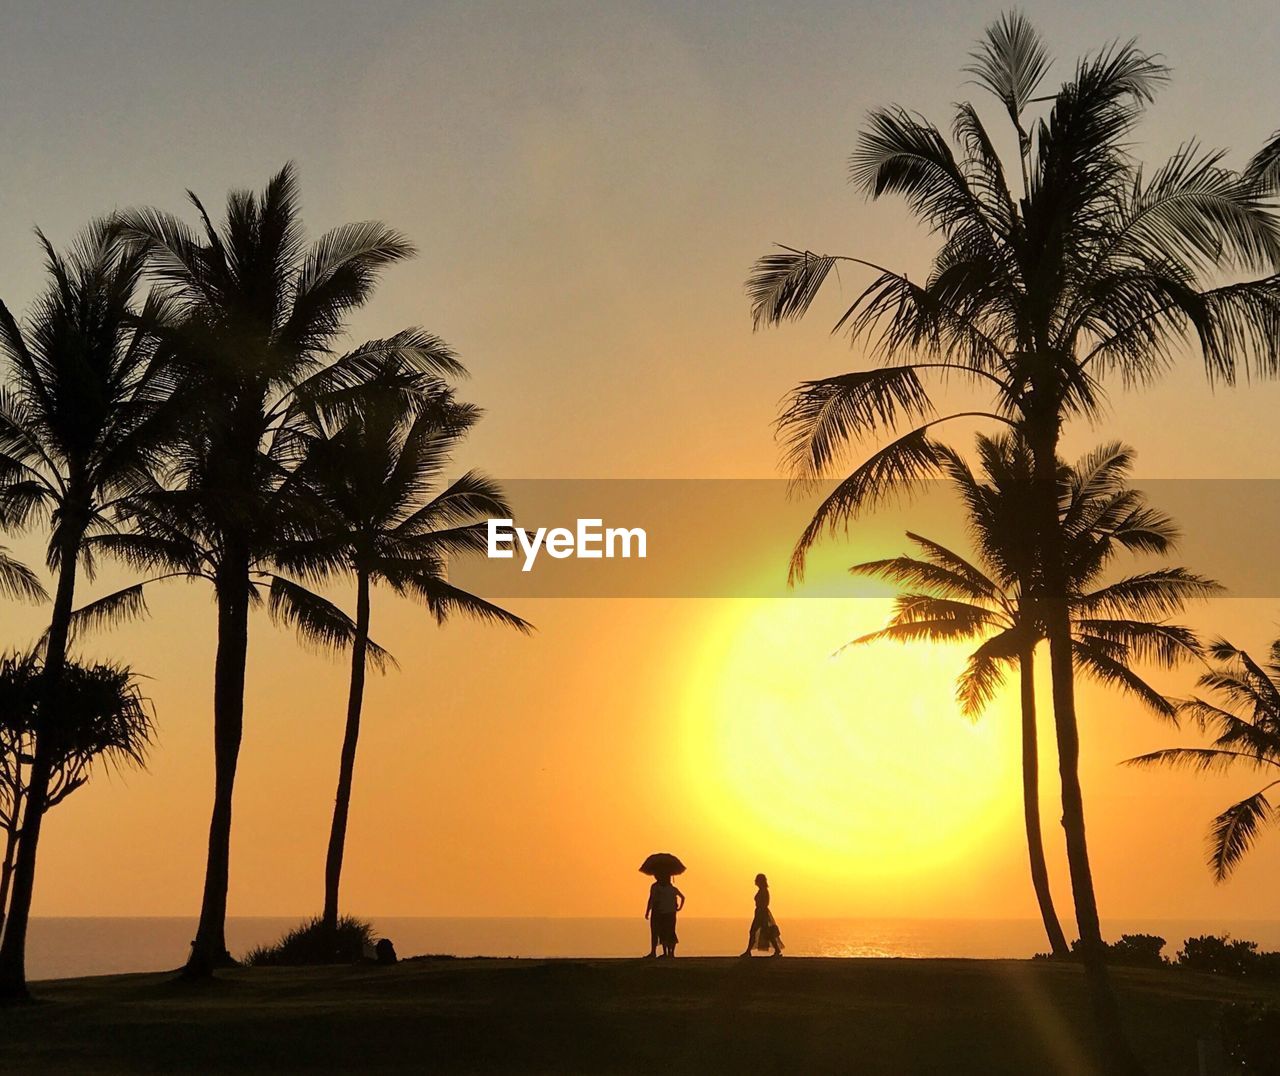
(588, 184)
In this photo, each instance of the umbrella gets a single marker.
(662, 865)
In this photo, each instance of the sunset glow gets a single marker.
(855, 766)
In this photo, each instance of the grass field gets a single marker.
(793, 1015)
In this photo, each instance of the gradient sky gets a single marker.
(588, 185)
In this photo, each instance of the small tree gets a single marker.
(102, 715)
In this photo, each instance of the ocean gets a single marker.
(66, 947)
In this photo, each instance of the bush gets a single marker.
(1137, 951)
(1222, 955)
(311, 943)
(1132, 950)
(1251, 1037)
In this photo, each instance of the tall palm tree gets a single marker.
(1247, 735)
(388, 519)
(102, 717)
(84, 384)
(258, 313)
(1089, 269)
(1114, 624)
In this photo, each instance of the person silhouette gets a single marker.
(764, 932)
(665, 900)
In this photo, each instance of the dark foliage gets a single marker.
(1224, 955)
(313, 943)
(1131, 951)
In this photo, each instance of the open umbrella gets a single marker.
(662, 865)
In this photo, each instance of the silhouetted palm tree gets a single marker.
(102, 715)
(258, 313)
(388, 519)
(1093, 269)
(83, 386)
(1247, 728)
(1115, 624)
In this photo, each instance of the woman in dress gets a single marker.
(764, 930)
(665, 900)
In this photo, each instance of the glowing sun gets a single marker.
(860, 760)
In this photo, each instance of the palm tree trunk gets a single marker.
(1031, 806)
(346, 769)
(6, 867)
(209, 948)
(1056, 613)
(13, 950)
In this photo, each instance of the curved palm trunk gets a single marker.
(209, 948)
(346, 769)
(6, 865)
(1056, 612)
(1031, 806)
(13, 950)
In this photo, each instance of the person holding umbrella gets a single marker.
(665, 900)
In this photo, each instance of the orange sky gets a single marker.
(589, 186)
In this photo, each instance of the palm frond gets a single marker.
(318, 622)
(1101, 663)
(1153, 594)
(1234, 831)
(985, 671)
(782, 286)
(898, 468)
(1010, 62)
(18, 581)
(1200, 759)
(116, 608)
(445, 600)
(822, 417)
(1264, 166)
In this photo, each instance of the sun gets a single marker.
(860, 761)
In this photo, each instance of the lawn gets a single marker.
(794, 1015)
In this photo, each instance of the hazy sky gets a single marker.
(588, 185)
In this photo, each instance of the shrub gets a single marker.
(1220, 955)
(1137, 951)
(311, 943)
(1132, 950)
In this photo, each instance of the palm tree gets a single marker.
(1091, 269)
(83, 386)
(951, 598)
(1247, 735)
(102, 716)
(258, 313)
(386, 520)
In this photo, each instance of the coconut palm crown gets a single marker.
(1245, 721)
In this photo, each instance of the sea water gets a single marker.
(64, 947)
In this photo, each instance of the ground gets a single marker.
(793, 1015)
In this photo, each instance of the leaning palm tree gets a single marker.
(78, 430)
(258, 313)
(387, 518)
(951, 598)
(1247, 736)
(102, 716)
(1080, 269)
